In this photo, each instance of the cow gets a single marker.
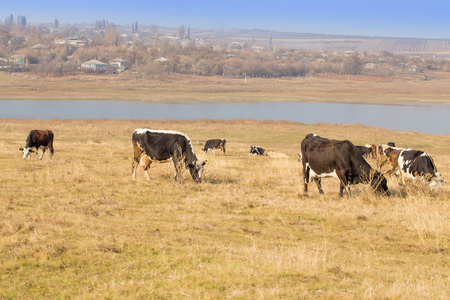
(257, 150)
(364, 150)
(382, 158)
(416, 163)
(374, 149)
(38, 139)
(156, 146)
(322, 157)
(392, 156)
(215, 144)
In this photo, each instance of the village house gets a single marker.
(77, 41)
(94, 65)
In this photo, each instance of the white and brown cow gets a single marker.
(38, 139)
(156, 146)
(215, 144)
(322, 157)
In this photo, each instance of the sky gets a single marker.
(395, 18)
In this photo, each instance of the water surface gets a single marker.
(426, 118)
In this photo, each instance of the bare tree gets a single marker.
(181, 32)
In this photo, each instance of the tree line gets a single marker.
(184, 56)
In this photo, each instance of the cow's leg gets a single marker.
(306, 178)
(37, 154)
(318, 181)
(51, 151)
(42, 154)
(212, 150)
(134, 165)
(147, 172)
(344, 183)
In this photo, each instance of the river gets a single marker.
(425, 118)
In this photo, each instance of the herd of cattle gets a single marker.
(319, 156)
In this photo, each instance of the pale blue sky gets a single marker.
(420, 19)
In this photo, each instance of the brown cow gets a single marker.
(38, 139)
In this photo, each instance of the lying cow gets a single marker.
(38, 139)
(257, 150)
(155, 146)
(340, 159)
(215, 144)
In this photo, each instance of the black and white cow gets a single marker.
(322, 157)
(257, 150)
(38, 139)
(155, 146)
(215, 144)
(416, 163)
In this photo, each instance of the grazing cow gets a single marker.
(416, 163)
(215, 144)
(340, 159)
(257, 150)
(155, 146)
(38, 139)
(364, 150)
(382, 158)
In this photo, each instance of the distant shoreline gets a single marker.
(324, 88)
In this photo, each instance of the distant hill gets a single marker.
(330, 43)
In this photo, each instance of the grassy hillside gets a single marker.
(79, 226)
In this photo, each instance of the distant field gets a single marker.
(79, 227)
(321, 88)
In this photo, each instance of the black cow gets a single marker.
(416, 163)
(162, 146)
(38, 139)
(257, 150)
(215, 144)
(340, 159)
(364, 150)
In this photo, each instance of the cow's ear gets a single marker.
(204, 162)
(21, 149)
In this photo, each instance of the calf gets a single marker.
(340, 159)
(392, 155)
(215, 144)
(38, 139)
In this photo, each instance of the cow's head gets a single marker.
(26, 151)
(196, 169)
(379, 184)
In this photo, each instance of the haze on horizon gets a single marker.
(411, 19)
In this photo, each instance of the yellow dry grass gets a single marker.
(79, 226)
(130, 86)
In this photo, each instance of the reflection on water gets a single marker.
(427, 118)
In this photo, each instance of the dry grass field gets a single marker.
(321, 88)
(78, 226)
